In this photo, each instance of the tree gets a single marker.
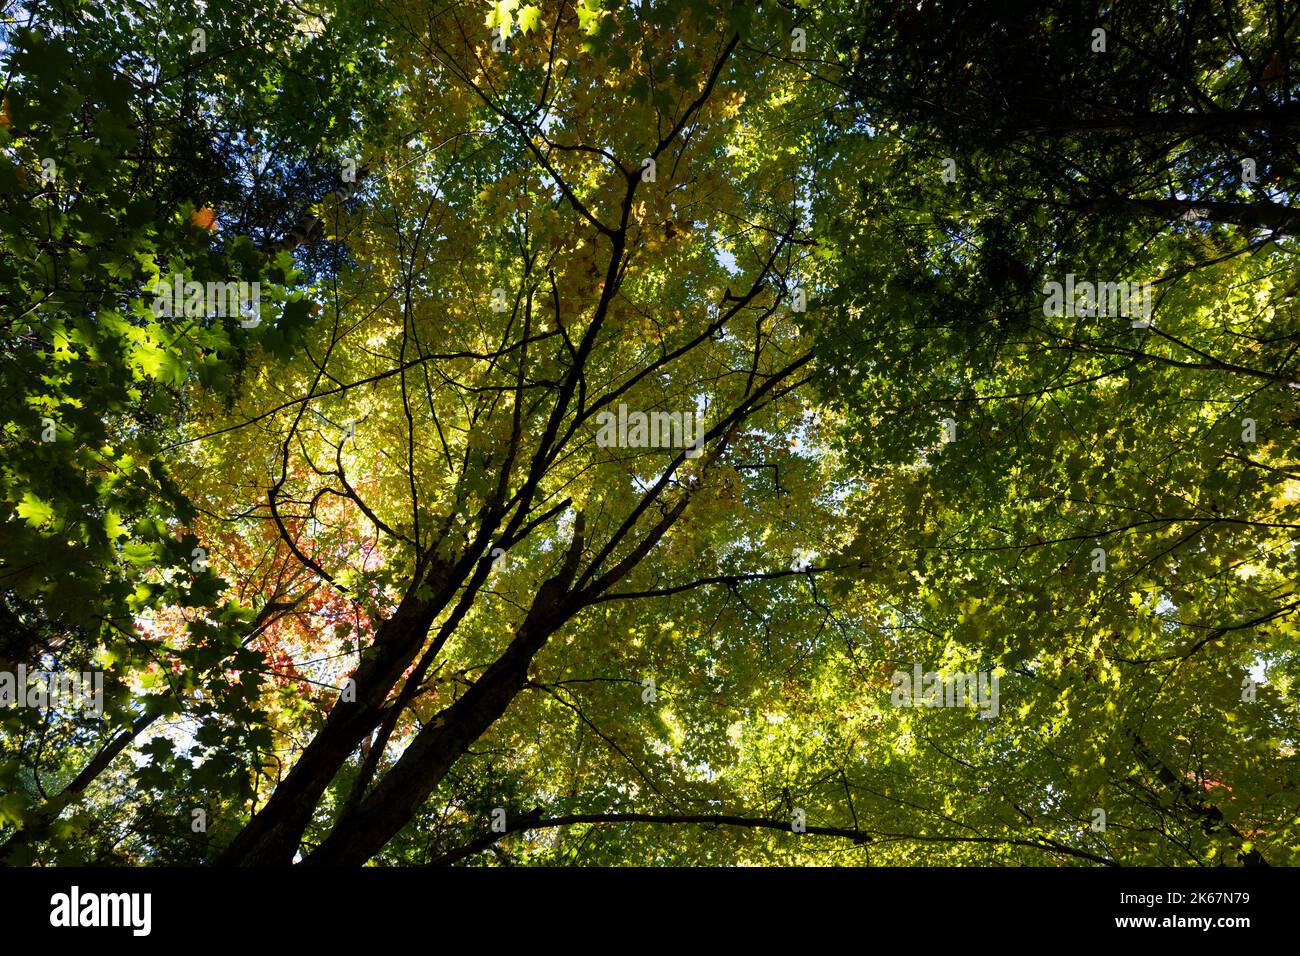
(1109, 524)
(639, 408)
(119, 179)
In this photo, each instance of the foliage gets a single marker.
(440, 619)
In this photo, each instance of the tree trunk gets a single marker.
(271, 837)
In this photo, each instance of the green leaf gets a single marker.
(34, 510)
(530, 17)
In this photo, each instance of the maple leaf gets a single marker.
(530, 17)
(205, 218)
(35, 511)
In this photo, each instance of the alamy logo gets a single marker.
(651, 430)
(942, 689)
(177, 298)
(56, 690)
(103, 909)
(1071, 298)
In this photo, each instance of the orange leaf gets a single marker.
(205, 218)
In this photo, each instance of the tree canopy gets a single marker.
(603, 432)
